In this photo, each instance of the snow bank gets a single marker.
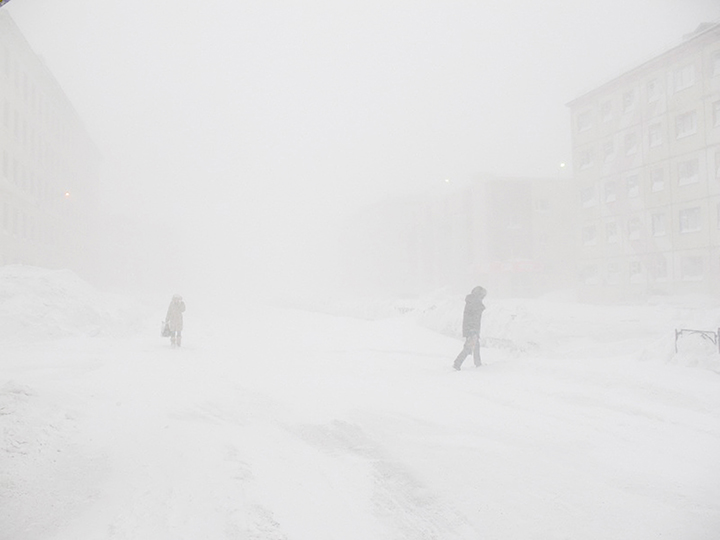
(558, 326)
(646, 332)
(98, 436)
(37, 303)
(44, 475)
(38, 451)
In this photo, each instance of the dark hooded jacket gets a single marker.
(472, 314)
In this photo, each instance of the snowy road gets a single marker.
(289, 425)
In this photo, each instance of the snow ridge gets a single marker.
(37, 304)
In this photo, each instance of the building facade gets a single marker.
(508, 234)
(49, 167)
(646, 153)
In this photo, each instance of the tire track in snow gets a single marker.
(400, 499)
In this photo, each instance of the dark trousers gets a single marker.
(176, 338)
(472, 345)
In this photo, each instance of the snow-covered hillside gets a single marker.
(284, 424)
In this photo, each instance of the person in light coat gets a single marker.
(472, 315)
(174, 319)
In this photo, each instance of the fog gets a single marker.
(237, 137)
(281, 150)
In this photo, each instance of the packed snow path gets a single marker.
(289, 425)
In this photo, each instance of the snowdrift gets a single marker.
(574, 427)
(554, 325)
(38, 304)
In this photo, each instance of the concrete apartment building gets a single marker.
(509, 234)
(646, 152)
(48, 164)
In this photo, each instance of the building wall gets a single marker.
(646, 151)
(48, 164)
(510, 235)
(528, 247)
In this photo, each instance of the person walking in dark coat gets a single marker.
(472, 315)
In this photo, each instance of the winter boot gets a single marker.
(459, 360)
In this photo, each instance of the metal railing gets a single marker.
(706, 334)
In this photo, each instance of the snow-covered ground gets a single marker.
(285, 424)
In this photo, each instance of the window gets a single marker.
(633, 228)
(606, 111)
(690, 220)
(635, 271)
(633, 185)
(589, 274)
(716, 114)
(628, 102)
(685, 124)
(688, 172)
(654, 135)
(608, 151)
(587, 197)
(657, 267)
(13, 222)
(613, 273)
(653, 90)
(657, 180)
(584, 121)
(631, 145)
(611, 232)
(589, 235)
(542, 204)
(610, 192)
(692, 268)
(684, 77)
(586, 159)
(513, 220)
(658, 224)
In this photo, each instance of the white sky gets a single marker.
(234, 117)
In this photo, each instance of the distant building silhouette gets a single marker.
(512, 235)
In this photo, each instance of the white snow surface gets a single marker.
(271, 423)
